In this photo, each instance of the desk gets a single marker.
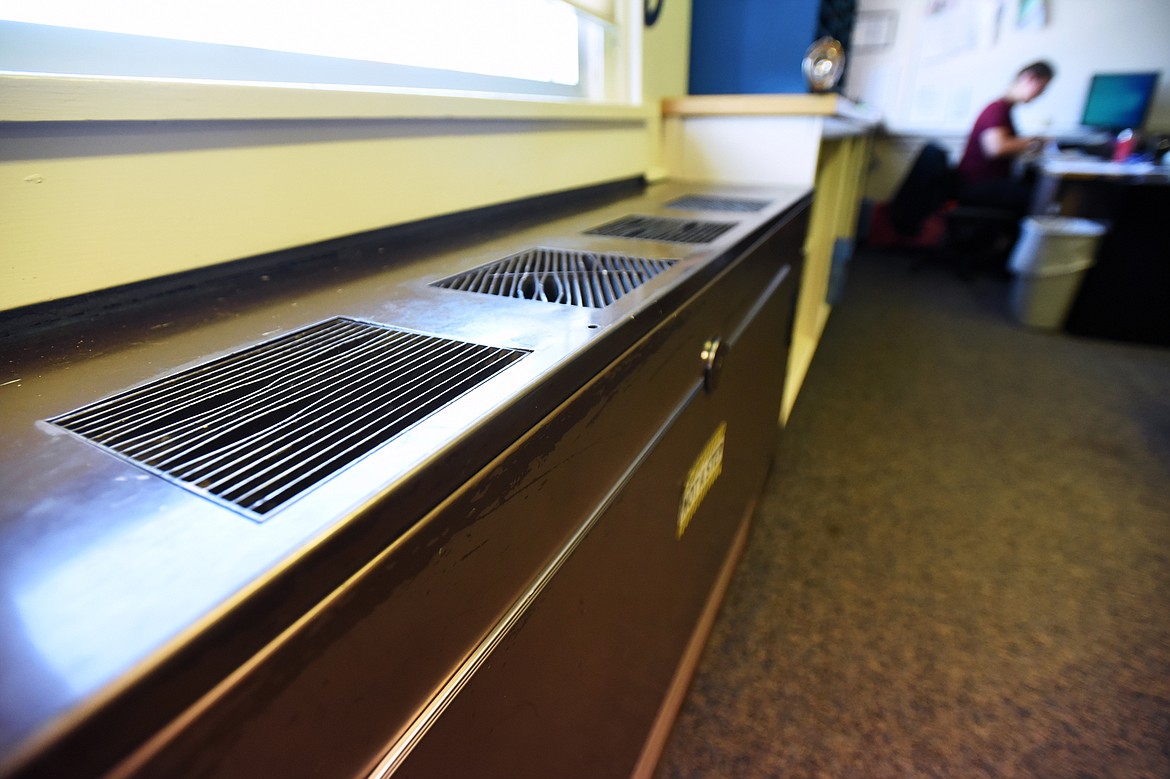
(1075, 186)
(1126, 295)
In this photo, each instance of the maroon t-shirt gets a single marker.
(976, 165)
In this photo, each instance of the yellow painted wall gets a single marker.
(152, 200)
(86, 205)
(666, 52)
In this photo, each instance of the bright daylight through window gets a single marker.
(529, 46)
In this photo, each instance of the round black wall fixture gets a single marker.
(651, 11)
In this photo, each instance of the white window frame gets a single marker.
(38, 96)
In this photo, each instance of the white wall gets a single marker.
(928, 83)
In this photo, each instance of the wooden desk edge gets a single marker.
(767, 105)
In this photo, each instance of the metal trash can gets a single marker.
(1050, 260)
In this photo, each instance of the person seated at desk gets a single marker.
(985, 175)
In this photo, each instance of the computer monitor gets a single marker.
(1119, 101)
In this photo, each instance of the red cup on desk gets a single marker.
(1126, 143)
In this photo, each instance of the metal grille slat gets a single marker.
(575, 278)
(285, 435)
(146, 404)
(282, 390)
(354, 443)
(203, 384)
(663, 228)
(717, 203)
(267, 400)
(259, 427)
(579, 288)
(190, 469)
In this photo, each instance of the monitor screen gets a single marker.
(1117, 101)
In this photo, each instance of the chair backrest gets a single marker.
(929, 184)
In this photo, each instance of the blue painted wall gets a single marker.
(750, 46)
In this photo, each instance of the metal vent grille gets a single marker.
(574, 278)
(257, 428)
(716, 203)
(663, 228)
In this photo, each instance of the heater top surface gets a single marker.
(109, 561)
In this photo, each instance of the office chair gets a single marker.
(973, 235)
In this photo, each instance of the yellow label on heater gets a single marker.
(706, 469)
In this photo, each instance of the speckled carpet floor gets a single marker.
(961, 563)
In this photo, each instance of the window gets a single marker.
(526, 46)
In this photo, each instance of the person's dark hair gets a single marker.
(1039, 70)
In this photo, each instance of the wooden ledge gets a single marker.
(768, 105)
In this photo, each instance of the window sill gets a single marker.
(53, 98)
